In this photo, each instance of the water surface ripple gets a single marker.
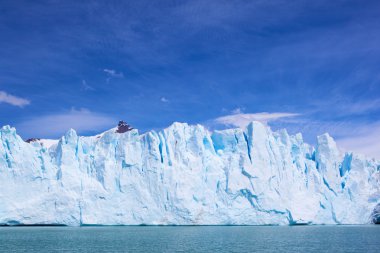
(191, 239)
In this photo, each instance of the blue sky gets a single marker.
(309, 66)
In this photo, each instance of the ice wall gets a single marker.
(184, 175)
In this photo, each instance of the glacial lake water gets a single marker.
(191, 239)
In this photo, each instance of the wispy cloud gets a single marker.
(344, 106)
(13, 100)
(113, 73)
(164, 100)
(86, 86)
(237, 110)
(239, 119)
(55, 125)
(363, 106)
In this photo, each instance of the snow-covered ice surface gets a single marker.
(184, 175)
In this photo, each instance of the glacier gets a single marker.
(185, 175)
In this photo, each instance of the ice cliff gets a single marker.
(185, 175)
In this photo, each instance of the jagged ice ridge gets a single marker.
(186, 175)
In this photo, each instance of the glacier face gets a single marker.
(184, 175)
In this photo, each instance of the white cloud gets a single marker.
(86, 87)
(164, 100)
(237, 110)
(241, 120)
(13, 100)
(365, 141)
(55, 125)
(113, 73)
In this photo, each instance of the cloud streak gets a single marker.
(13, 100)
(55, 125)
(113, 73)
(241, 120)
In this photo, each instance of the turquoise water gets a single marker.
(191, 239)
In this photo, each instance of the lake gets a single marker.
(191, 239)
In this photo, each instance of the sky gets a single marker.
(307, 66)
